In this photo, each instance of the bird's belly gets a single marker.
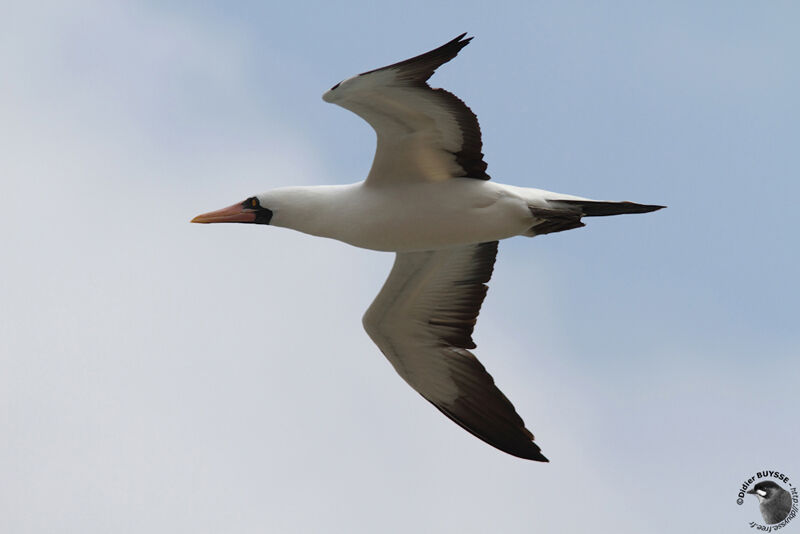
(421, 225)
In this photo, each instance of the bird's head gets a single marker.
(764, 491)
(251, 210)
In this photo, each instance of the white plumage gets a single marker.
(427, 197)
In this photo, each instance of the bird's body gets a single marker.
(428, 198)
(412, 216)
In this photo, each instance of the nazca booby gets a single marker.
(428, 199)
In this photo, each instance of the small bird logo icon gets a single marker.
(774, 501)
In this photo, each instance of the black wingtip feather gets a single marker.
(428, 62)
(511, 444)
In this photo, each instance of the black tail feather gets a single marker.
(593, 208)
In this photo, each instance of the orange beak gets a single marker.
(232, 214)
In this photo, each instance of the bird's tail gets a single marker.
(600, 208)
(565, 214)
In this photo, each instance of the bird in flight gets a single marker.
(428, 199)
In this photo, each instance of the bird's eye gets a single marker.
(251, 202)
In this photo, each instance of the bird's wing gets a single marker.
(424, 134)
(422, 320)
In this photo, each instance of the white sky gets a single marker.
(157, 376)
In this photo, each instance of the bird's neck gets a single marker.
(310, 209)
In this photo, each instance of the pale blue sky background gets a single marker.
(158, 376)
